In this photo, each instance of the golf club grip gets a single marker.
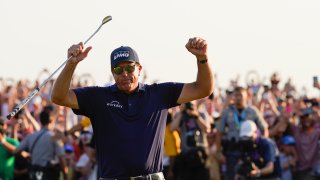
(24, 102)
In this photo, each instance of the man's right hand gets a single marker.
(78, 52)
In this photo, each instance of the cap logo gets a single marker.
(121, 54)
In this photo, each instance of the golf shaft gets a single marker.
(37, 89)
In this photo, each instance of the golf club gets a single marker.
(37, 89)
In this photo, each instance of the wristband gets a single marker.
(203, 61)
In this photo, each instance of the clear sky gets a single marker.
(264, 36)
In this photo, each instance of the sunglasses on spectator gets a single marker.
(129, 68)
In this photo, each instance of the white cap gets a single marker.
(248, 128)
(37, 100)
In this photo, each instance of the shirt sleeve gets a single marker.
(222, 121)
(86, 97)
(24, 145)
(13, 142)
(170, 93)
(58, 149)
(270, 152)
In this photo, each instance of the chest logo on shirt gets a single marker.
(115, 104)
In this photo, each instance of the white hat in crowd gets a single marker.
(248, 128)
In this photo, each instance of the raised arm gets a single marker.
(61, 93)
(203, 86)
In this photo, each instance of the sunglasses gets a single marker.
(129, 68)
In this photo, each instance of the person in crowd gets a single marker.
(268, 106)
(275, 89)
(47, 155)
(171, 150)
(288, 157)
(259, 155)
(85, 167)
(229, 128)
(6, 158)
(193, 126)
(214, 157)
(308, 148)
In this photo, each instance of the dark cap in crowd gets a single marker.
(68, 148)
(288, 140)
(123, 53)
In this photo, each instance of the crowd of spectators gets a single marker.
(289, 119)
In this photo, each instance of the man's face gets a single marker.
(240, 98)
(306, 121)
(127, 81)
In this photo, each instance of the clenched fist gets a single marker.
(198, 47)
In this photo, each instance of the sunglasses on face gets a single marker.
(129, 68)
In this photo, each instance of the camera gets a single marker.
(248, 147)
(245, 167)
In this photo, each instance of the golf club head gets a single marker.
(106, 19)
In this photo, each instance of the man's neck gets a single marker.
(131, 90)
(48, 126)
(308, 129)
(240, 106)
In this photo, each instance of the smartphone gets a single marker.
(315, 81)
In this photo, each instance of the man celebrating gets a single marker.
(129, 118)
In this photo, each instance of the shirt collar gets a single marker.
(141, 87)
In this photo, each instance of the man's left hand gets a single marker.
(198, 47)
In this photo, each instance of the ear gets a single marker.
(139, 68)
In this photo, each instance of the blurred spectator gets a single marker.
(288, 157)
(21, 166)
(274, 80)
(259, 155)
(25, 123)
(171, 150)
(46, 154)
(268, 106)
(289, 88)
(229, 126)
(281, 114)
(70, 162)
(6, 158)
(193, 126)
(307, 138)
(215, 156)
(85, 167)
